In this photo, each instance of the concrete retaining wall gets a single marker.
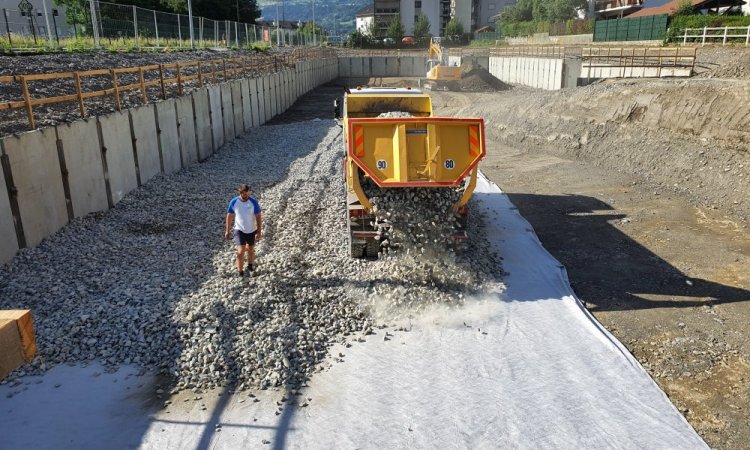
(186, 130)
(143, 127)
(117, 147)
(203, 129)
(541, 73)
(84, 166)
(9, 242)
(169, 142)
(589, 71)
(37, 183)
(56, 174)
(381, 66)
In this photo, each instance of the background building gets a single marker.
(364, 19)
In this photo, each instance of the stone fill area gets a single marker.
(475, 78)
(152, 283)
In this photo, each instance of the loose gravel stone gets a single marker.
(151, 282)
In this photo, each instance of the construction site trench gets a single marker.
(638, 187)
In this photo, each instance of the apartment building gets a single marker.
(438, 13)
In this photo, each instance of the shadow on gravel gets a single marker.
(316, 104)
(605, 266)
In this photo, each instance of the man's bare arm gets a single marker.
(259, 222)
(230, 218)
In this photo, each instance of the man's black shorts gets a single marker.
(241, 238)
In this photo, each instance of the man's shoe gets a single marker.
(241, 273)
(251, 267)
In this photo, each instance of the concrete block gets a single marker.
(293, 87)
(253, 87)
(272, 108)
(35, 167)
(282, 92)
(269, 98)
(392, 67)
(557, 79)
(117, 146)
(83, 161)
(345, 67)
(9, 242)
(247, 109)
(146, 142)
(169, 141)
(203, 128)
(288, 93)
(483, 61)
(264, 103)
(186, 130)
(309, 81)
(217, 119)
(227, 111)
(284, 95)
(357, 64)
(239, 121)
(274, 94)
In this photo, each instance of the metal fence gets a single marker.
(110, 24)
(725, 34)
(635, 29)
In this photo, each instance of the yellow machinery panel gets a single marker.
(444, 73)
(416, 152)
(369, 103)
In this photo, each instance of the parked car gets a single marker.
(409, 40)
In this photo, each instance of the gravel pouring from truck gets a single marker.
(392, 140)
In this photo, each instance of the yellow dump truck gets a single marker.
(412, 150)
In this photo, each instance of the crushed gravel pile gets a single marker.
(152, 282)
(723, 62)
(475, 78)
(15, 121)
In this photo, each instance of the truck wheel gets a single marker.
(373, 248)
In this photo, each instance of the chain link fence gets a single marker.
(131, 27)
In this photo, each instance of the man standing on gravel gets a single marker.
(244, 211)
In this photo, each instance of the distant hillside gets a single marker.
(326, 12)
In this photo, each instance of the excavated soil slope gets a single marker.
(690, 136)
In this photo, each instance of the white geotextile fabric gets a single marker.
(528, 368)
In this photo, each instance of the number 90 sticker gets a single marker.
(382, 164)
(449, 164)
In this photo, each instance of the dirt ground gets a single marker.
(649, 217)
(641, 188)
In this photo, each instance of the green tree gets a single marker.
(395, 28)
(358, 39)
(685, 8)
(372, 29)
(551, 10)
(309, 28)
(421, 27)
(454, 28)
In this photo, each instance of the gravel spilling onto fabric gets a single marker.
(152, 283)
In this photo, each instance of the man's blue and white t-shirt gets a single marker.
(244, 213)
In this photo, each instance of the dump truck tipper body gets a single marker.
(440, 75)
(392, 139)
